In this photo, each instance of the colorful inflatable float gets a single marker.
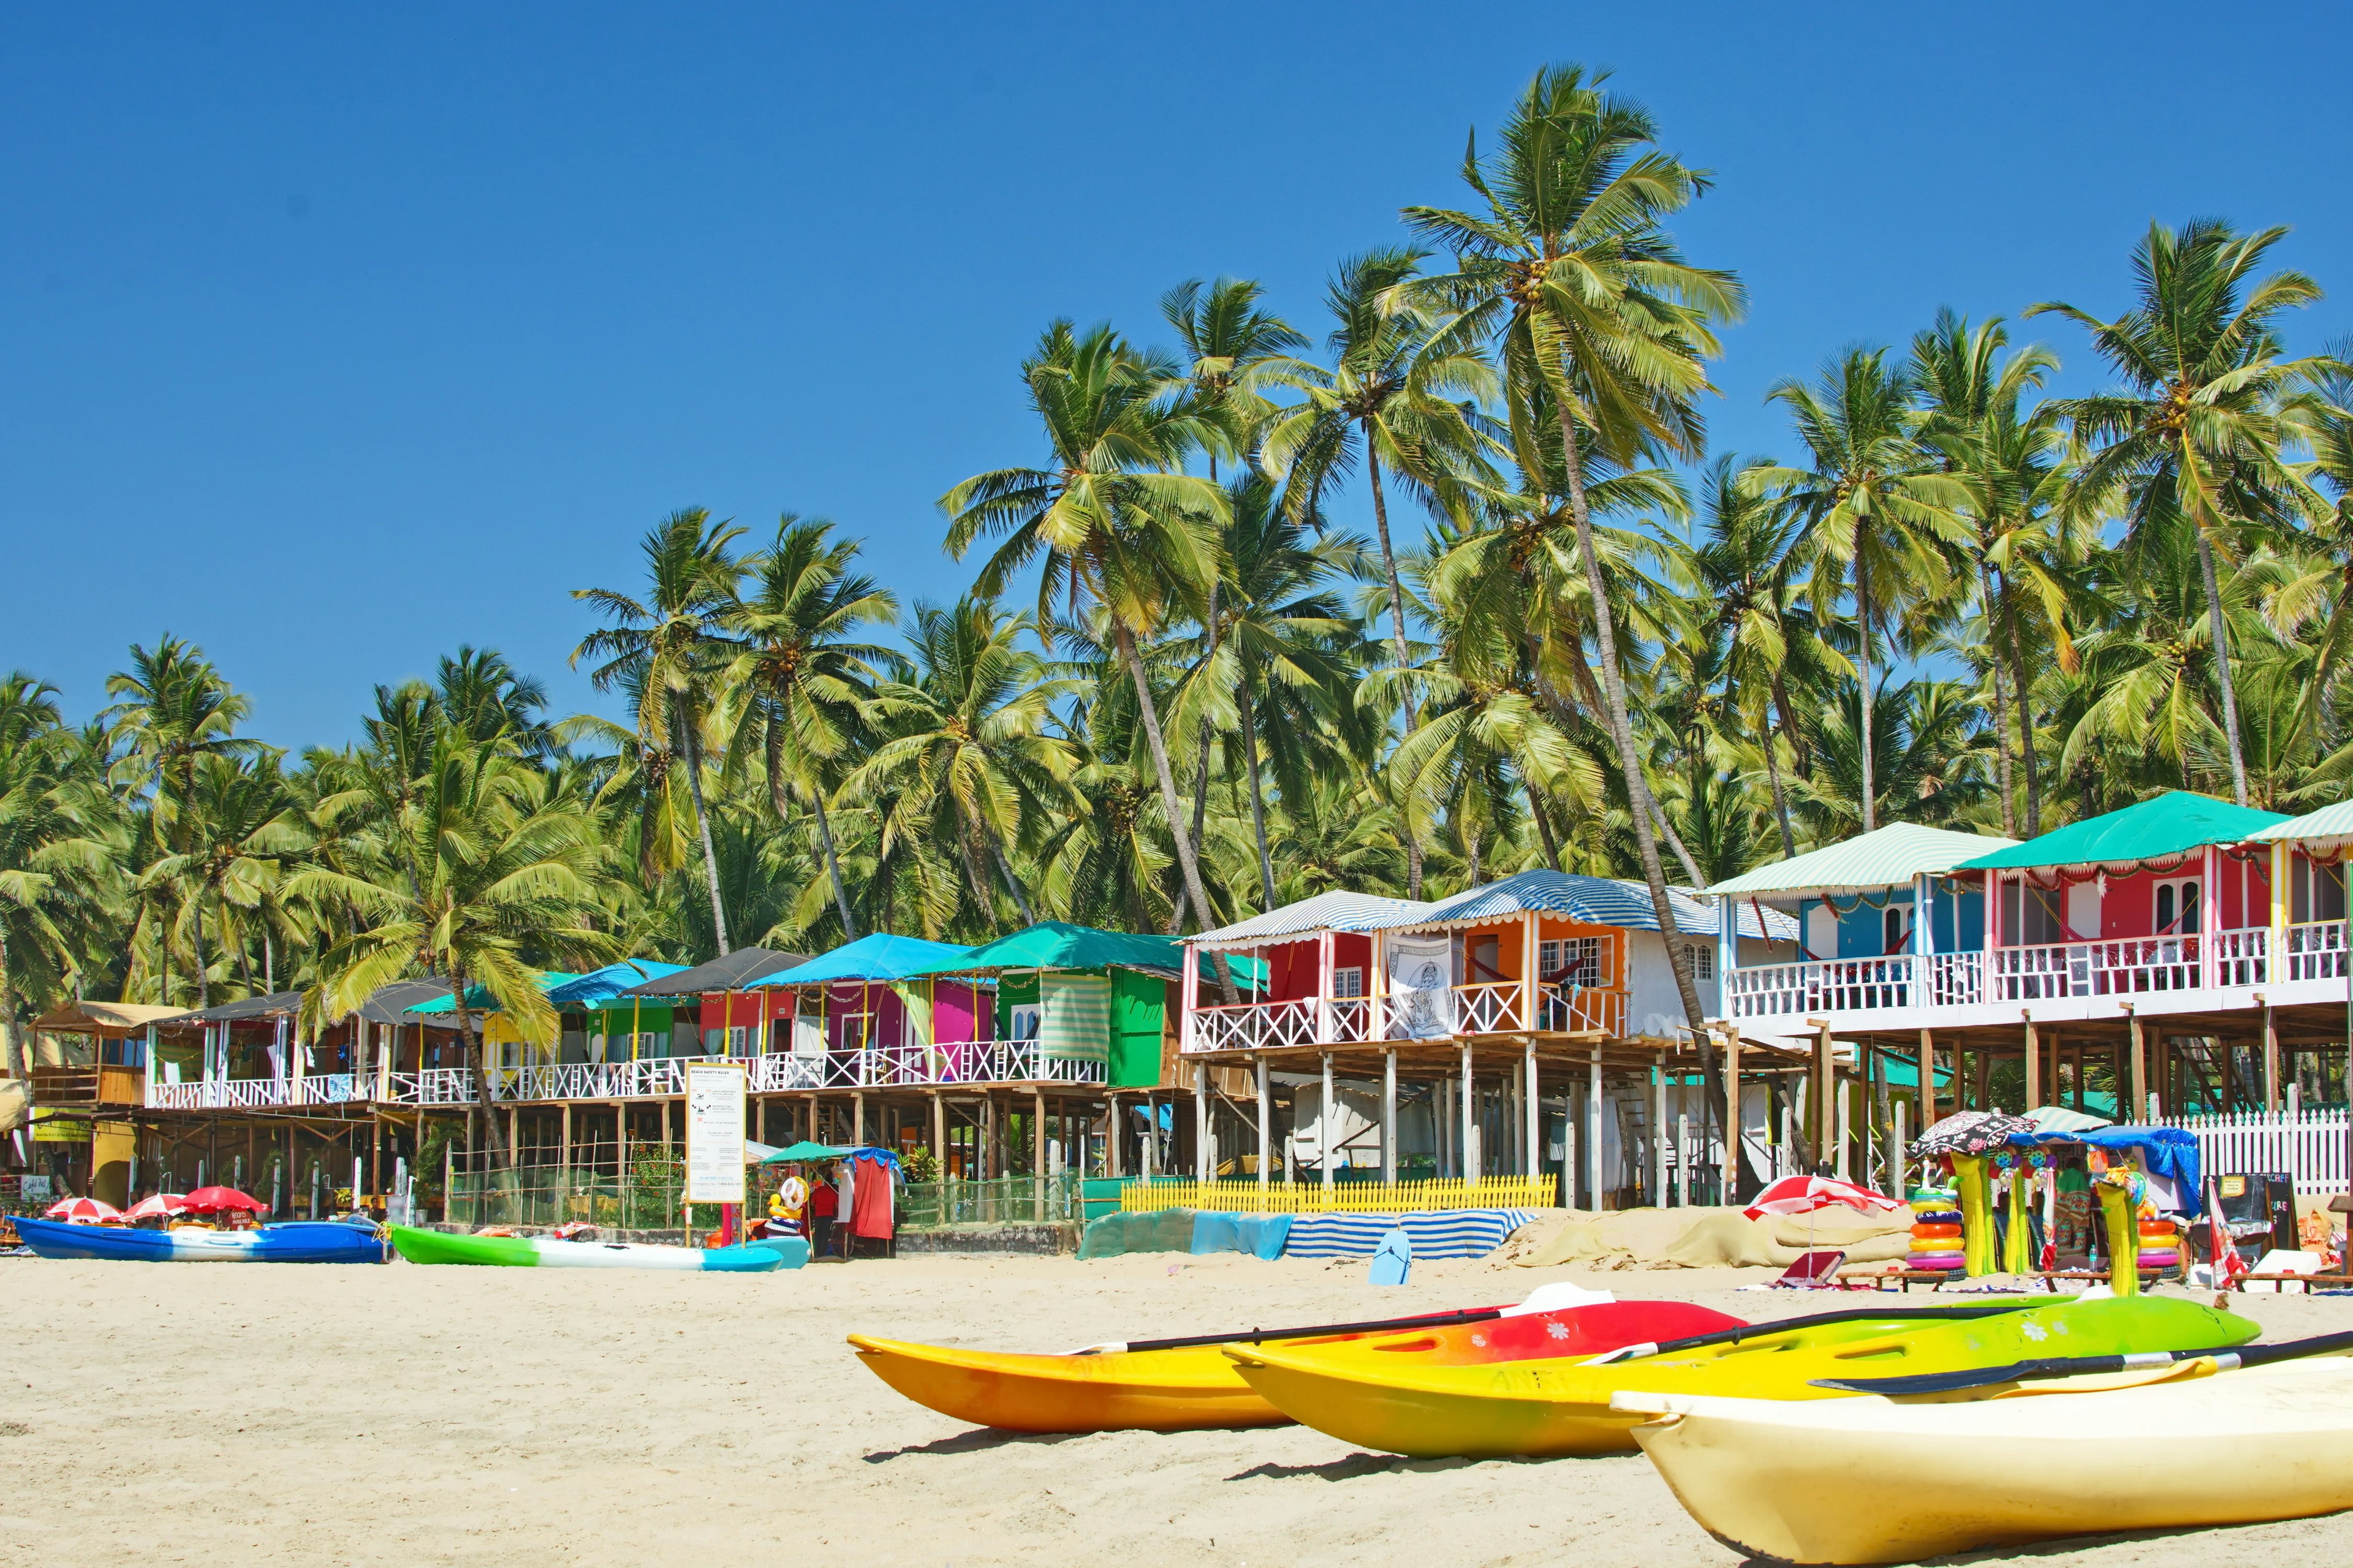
(545, 1252)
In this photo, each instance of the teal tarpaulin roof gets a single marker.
(1058, 944)
(568, 990)
(2164, 828)
(880, 957)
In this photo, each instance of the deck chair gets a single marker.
(1816, 1271)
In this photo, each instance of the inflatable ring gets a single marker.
(2154, 1260)
(1937, 1216)
(1928, 1232)
(1939, 1260)
(794, 1192)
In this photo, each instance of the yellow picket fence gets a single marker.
(1246, 1197)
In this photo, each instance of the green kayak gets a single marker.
(545, 1252)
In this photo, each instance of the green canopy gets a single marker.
(806, 1152)
(1058, 944)
(2165, 828)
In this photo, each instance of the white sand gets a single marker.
(212, 1415)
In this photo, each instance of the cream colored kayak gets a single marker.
(1870, 1480)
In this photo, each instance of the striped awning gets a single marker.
(2329, 823)
(1593, 901)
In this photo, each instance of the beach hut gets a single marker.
(734, 1014)
(1094, 1006)
(860, 1017)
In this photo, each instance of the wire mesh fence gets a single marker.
(1006, 1200)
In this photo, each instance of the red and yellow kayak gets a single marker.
(1190, 1386)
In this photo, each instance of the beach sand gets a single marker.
(417, 1416)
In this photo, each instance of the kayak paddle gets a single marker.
(2227, 1357)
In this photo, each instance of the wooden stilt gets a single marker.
(2033, 1066)
(2271, 1062)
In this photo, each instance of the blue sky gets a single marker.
(337, 337)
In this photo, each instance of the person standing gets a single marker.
(824, 1204)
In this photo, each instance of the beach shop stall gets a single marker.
(731, 1013)
(868, 1015)
(580, 1056)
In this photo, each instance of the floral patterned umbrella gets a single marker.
(1969, 1132)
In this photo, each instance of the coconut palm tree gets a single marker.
(2193, 439)
(669, 646)
(237, 829)
(60, 844)
(1118, 524)
(485, 876)
(1873, 508)
(965, 753)
(800, 674)
(1568, 269)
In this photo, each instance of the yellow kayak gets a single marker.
(1868, 1479)
(1545, 1408)
(1190, 1384)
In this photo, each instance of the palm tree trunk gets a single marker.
(1863, 666)
(477, 1057)
(18, 1067)
(2023, 684)
(1622, 731)
(2222, 665)
(833, 867)
(1397, 636)
(693, 751)
(1012, 883)
(1257, 792)
(1780, 795)
(1544, 825)
(1675, 845)
(1201, 774)
(203, 969)
(1169, 799)
(1985, 596)
(973, 877)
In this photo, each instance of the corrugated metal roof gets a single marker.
(879, 957)
(735, 971)
(1594, 901)
(2328, 822)
(1334, 911)
(1873, 862)
(2164, 827)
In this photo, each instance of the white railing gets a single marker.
(2113, 967)
(1255, 1025)
(259, 1093)
(2311, 1146)
(2242, 957)
(433, 1086)
(884, 1067)
(1956, 979)
(1827, 986)
(1353, 1020)
(2315, 951)
(1497, 1008)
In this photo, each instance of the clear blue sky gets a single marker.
(337, 336)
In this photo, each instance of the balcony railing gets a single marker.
(2315, 951)
(2113, 967)
(1830, 985)
(883, 1067)
(1494, 1007)
(259, 1093)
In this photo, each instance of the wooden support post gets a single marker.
(1825, 1115)
(1470, 1155)
(940, 1131)
(1265, 1124)
(2271, 1062)
(2033, 1068)
(1928, 1079)
(1731, 1192)
(1038, 1143)
(1204, 1157)
(1659, 1134)
(1323, 1127)
(1530, 1112)
(1111, 1161)
(1388, 1117)
(1593, 1125)
(2138, 1058)
(858, 1118)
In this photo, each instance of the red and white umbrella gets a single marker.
(157, 1206)
(212, 1200)
(1804, 1195)
(82, 1211)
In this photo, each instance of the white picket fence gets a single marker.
(2311, 1146)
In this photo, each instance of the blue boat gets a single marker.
(299, 1241)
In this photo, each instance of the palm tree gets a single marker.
(1118, 523)
(1871, 504)
(669, 643)
(484, 875)
(799, 676)
(59, 845)
(237, 830)
(965, 754)
(2194, 437)
(1568, 268)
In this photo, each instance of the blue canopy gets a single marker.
(2167, 1152)
(565, 990)
(878, 957)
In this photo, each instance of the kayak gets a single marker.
(543, 1252)
(296, 1241)
(1546, 1408)
(1193, 1386)
(1870, 1479)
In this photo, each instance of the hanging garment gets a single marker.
(1074, 1017)
(870, 1213)
(1421, 988)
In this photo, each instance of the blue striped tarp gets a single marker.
(1442, 1233)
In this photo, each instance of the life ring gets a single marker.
(1937, 1216)
(795, 1193)
(1939, 1260)
(1937, 1232)
(2154, 1259)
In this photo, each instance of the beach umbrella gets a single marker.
(212, 1200)
(1969, 1132)
(1804, 1195)
(157, 1206)
(82, 1211)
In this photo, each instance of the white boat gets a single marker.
(1871, 1479)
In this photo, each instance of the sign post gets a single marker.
(715, 1096)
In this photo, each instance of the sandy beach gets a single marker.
(461, 1415)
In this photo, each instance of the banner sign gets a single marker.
(1421, 988)
(715, 1095)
